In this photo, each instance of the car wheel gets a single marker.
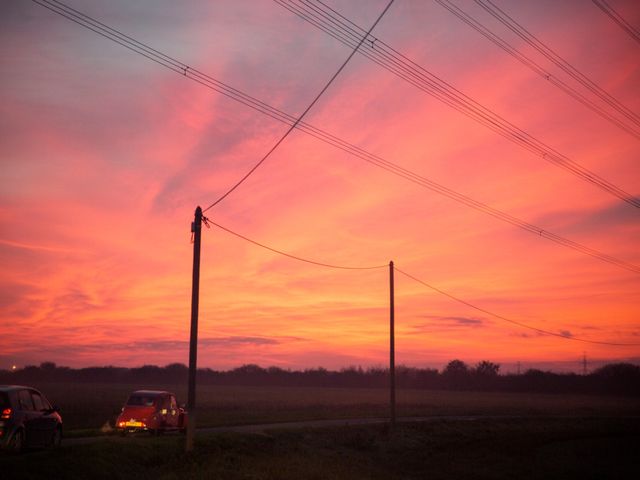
(17, 442)
(56, 438)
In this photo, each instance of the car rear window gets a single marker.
(141, 401)
(24, 400)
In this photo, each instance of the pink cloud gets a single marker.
(107, 155)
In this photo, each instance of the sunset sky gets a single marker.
(106, 154)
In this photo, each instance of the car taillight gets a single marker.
(6, 413)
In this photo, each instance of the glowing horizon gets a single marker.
(106, 156)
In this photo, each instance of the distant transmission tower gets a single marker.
(584, 363)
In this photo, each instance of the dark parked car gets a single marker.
(27, 419)
(153, 411)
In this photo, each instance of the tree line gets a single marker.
(614, 378)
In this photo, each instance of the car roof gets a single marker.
(152, 393)
(13, 388)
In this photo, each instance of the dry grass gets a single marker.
(533, 448)
(89, 406)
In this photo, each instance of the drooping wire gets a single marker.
(441, 292)
(344, 30)
(529, 63)
(251, 102)
(619, 19)
(294, 257)
(514, 322)
(304, 113)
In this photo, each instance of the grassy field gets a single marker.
(534, 448)
(86, 407)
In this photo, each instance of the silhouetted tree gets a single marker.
(618, 370)
(176, 367)
(456, 368)
(176, 372)
(487, 369)
(620, 378)
(250, 369)
(456, 374)
(47, 366)
(616, 378)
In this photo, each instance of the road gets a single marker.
(264, 427)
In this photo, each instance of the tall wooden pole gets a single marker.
(196, 229)
(392, 349)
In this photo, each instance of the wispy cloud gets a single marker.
(20, 300)
(449, 323)
(45, 248)
(617, 216)
(158, 351)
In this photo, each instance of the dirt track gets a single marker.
(264, 427)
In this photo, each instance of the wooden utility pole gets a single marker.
(196, 229)
(392, 349)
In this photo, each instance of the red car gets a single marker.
(151, 411)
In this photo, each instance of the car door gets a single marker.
(161, 411)
(44, 422)
(29, 418)
(172, 414)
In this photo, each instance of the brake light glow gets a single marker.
(6, 413)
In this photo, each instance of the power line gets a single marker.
(514, 322)
(619, 19)
(251, 102)
(441, 292)
(529, 63)
(552, 56)
(280, 252)
(302, 115)
(345, 31)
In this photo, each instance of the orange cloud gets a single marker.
(106, 155)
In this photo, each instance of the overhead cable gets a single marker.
(514, 322)
(619, 19)
(552, 56)
(441, 292)
(294, 257)
(531, 64)
(345, 31)
(262, 107)
(303, 114)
